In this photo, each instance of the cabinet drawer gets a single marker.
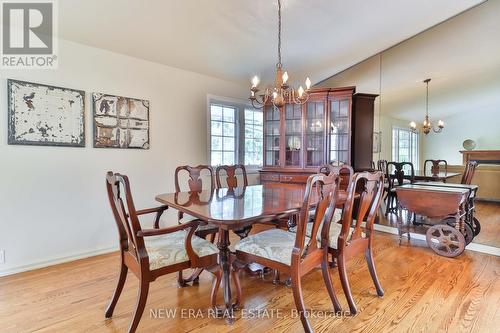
(287, 178)
(269, 177)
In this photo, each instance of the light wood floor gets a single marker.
(423, 292)
(488, 214)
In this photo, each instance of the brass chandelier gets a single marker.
(281, 93)
(426, 124)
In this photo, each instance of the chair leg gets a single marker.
(180, 280)
(119, 287)
(345, 284)
(299, 301)
(142, 297)
(373, 272)
(328, 284)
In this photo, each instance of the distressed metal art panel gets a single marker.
(45, 115)
(120, 122)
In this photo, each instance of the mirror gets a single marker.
(460, 56)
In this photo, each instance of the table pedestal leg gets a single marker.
(225, 264)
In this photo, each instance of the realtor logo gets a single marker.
(28, 31)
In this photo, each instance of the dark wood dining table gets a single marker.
(429, 176)
(233, 209)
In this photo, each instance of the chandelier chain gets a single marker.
(279, 33)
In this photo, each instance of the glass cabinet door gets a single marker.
(293, 135)
(272, 157)
(315, 129)
(339, 131)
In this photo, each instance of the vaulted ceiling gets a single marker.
(235, 39)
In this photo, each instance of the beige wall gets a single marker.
(53, 199)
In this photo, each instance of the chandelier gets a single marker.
(281, 93)
(426, 124)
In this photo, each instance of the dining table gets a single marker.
(236, 208)
(428, 176)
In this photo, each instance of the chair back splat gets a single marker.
(231, 178)
(321, 192)
(125, 214)
(370, 186)
(195, 182)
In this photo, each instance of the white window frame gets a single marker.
(414, 144)
(240, 105)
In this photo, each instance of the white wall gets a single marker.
(53, 200)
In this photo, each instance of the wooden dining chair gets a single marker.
(382, 165)
(351, 237)
(231, 175)
(151, 253)
(231, 180)
(396, 177)
(295, 253)
(195, 184)
(469, 171)
(435, 166)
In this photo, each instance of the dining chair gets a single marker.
(295, 253)
(231, 180)
(351, 238)
(395, 179)
(195, 184)
(435, 166)
(382, 165)
(151, 253)
(469, 171)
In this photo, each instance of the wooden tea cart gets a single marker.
(449, 209)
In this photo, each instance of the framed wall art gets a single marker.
(40, 114)
(120, 122)
(377, 142)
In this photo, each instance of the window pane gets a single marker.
(216, 143)
(229, 114)
(228, 129)
(216, 128)
(216, 112)
(216, 158)
(228, 158)
(228, 144)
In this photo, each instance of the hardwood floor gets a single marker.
(423, 292)
(488, 214)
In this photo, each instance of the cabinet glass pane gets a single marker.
(272, 137)
(315, 127)
(339, 131)
(293, 135)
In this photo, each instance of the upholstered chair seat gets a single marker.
(273, 244)
(170, 249)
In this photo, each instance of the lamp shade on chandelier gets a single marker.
(281, 93)
(426, 124)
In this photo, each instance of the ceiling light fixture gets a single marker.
(281, 93)
(426, 124)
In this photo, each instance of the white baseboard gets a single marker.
(472, 246)
(57, 260)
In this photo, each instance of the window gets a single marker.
(405, 146)
(223, 134)
(236, 133)
(253, 137)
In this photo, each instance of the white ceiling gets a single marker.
(235, 39)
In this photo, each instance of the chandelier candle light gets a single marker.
(426, 125)
(281, 93)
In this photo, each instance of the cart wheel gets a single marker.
(476, 226)
(445, 240)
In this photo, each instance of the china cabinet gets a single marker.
(334, 126)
